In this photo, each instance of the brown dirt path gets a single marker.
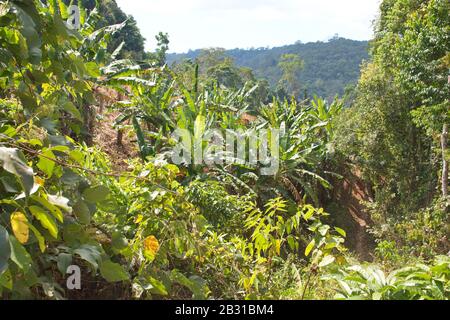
(350, 193)
(105, 137)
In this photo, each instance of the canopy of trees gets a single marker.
(329, 67)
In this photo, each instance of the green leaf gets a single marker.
(323, 229)
(341, 231)
(70, 108)
(13, 161)
(50, 207)
(310, 247)
(5, 249)
(326, 261)
(96, 194)
(6, 280)
(92, 69)
(19, 254)
(140, 138)
(81, 210)
(308, 214)
(180, 278)
(63, 262)
(291, 242)
(77, 156)
(46, 164)
(119, 241)
(46, 220)
(195, 284)
(157, 287)
(117, 50)
(199, 127)
(10, 184)
(63, 9)
(89, 253)
(29, 31)
(113, 272)
(39, 237)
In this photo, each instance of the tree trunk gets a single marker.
(444, 138)
(119, 137)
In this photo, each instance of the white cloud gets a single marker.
(195, 24)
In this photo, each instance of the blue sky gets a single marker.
(194, 24)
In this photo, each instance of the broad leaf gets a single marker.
(45, 219)
(310, 247)
(63, 262)
(81, 210)
(5, 249)
(13, 161)
(113, 272)
(19, 225)
(19, 255)
(96, 194)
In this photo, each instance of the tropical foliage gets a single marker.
(222, 228)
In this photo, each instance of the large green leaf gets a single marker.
(199, 127)
(195, 284)
(113, 272)
(96, 194)
(46, 164)
(81, 210)
(45, 219)
(119, 241)
(73, 110)
(50, 207)
(26, 13)
(5, 249)
(13, 161)
(63, 262)
(326, 261)
(310, 247)
(156, 287)
(90, 254)
(6, 280)
(140, 138)
(19, 255)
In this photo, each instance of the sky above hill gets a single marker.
(194, 24)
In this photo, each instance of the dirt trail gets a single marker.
(105, 137)
(350, 193)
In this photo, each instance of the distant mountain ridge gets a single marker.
(329, 66)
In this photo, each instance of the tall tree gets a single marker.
(163, 46)
(291, 65)
(396, 126)
(110, 13)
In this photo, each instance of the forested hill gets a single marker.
(329, 66)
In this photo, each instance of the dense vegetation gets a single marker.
(223, 228)
(329, 67)
(111, 14)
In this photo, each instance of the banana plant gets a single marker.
(299, 151)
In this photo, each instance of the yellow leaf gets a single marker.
(19, 224)
(151, 247)
(278, 246)
(139, 218)
(39, 181)
(310, 247)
